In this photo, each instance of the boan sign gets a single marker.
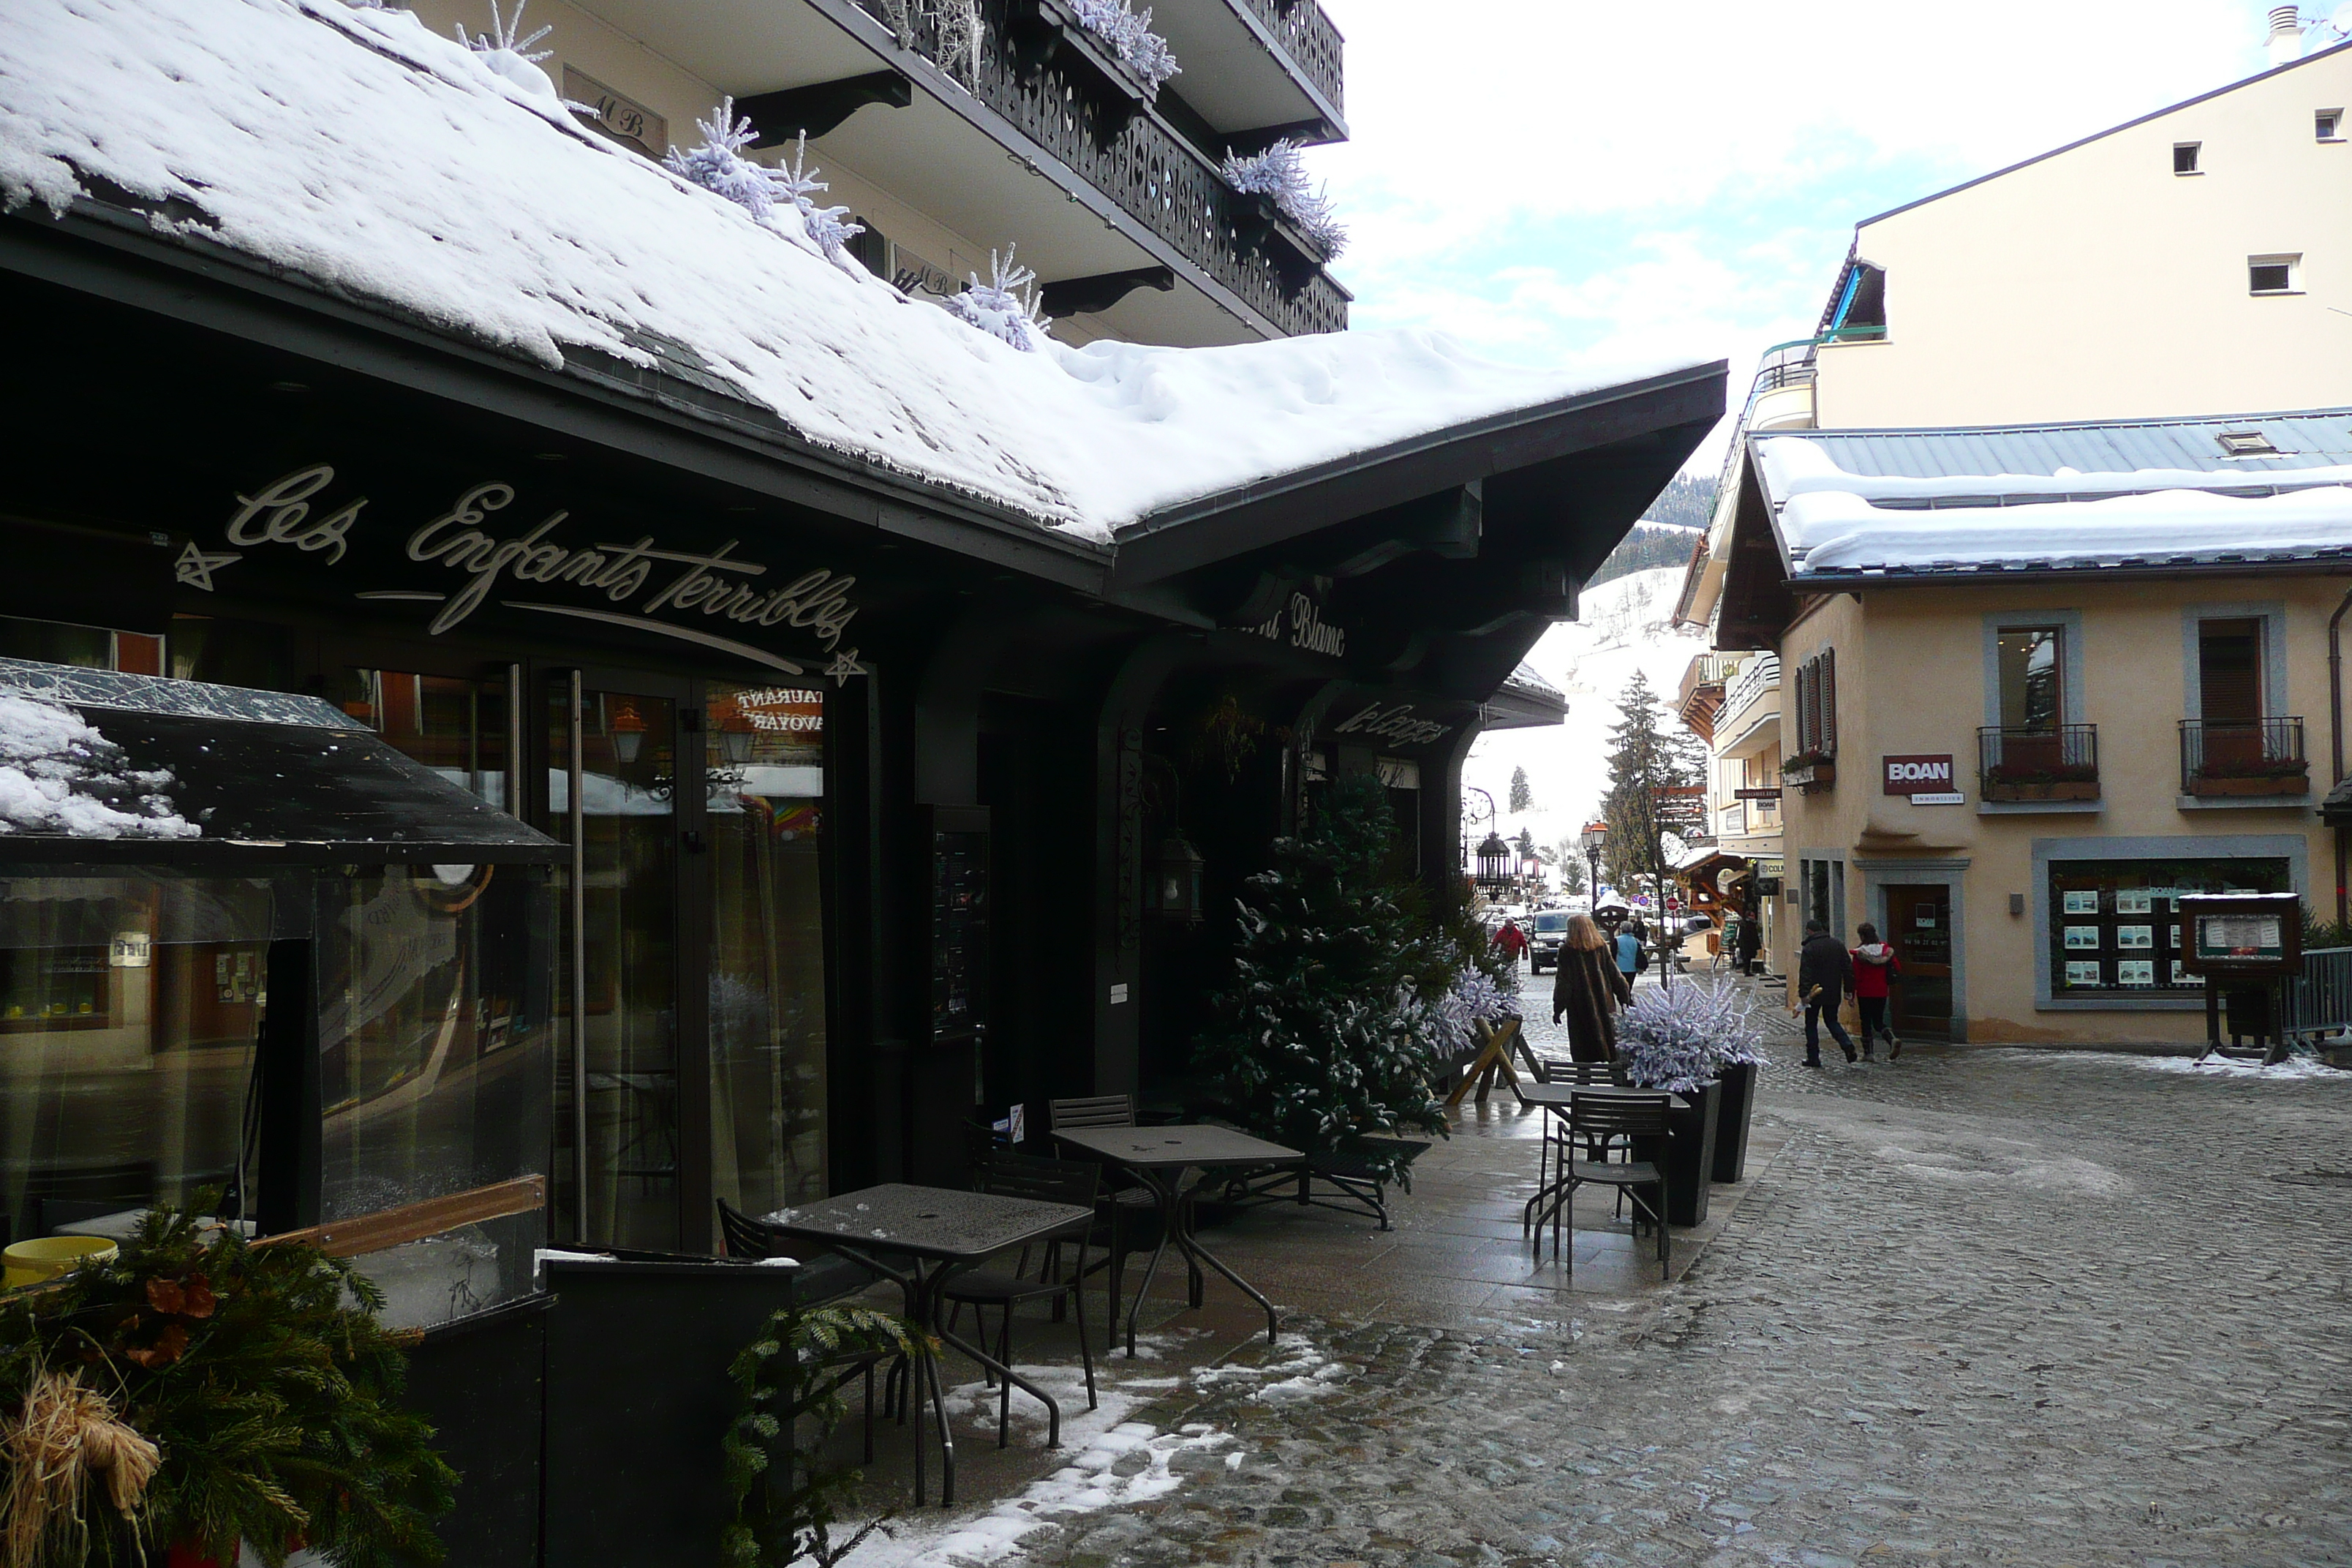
(1926, 780)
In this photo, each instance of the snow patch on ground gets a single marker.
(2293, 1068)
(58, 776)
(1115, 1461)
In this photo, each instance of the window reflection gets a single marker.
(766, 798)
(455, 726)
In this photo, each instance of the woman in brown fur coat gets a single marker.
(1589, 991)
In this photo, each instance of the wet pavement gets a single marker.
(1977, 1305)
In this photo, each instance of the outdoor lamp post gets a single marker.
(1594, 836)
(1494, 862)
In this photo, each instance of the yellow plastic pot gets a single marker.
(47, 1256)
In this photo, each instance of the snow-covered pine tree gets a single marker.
(1644, 758)
(1005, 307)
(1131, 37)
(1523, 798)
(1280, 172)
(1330, 1034)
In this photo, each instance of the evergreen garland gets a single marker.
(1330, 1032)
(792, 1372)
(262, 1374)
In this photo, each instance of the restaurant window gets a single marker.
(2031, 664)
(2114, 925)
(768, 1035)
(1817, 705)
(455, 726)
(129, 1006)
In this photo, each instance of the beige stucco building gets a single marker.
(2027, 703)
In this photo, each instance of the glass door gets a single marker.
(1918, 924)
(613, 794)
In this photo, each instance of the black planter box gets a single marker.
(1687, 1157)
(1738, 1097)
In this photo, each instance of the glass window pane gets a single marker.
(766, 778)
(128, 1013)
(455, 726)
(2029, 695)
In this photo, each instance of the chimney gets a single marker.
(2287, 36)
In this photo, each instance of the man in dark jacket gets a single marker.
(1824, 975)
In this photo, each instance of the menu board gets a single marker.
(959, 910)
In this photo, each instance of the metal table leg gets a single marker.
(1175, 1226)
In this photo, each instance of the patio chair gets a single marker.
(1043, 1181)
(1610, 1120)
(1127, 1210)
(746, 1236)
(1576, 1075)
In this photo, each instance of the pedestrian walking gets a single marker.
(1588, 991)
(1512, 941)
(1824, 975)
(1626, 945)
(1876, 968)
(1751, 942)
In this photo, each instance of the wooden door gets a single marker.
(1918, 924)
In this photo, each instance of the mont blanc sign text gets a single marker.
(482, 550)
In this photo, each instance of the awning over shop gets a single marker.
(102, 768)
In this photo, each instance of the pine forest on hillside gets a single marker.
(1667, 530)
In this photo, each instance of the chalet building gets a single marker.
(2211, 242)
(2038, 683)
(639, 707)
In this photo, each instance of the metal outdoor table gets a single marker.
(919, 1239)
(1157, 1155)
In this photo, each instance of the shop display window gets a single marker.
(2115, 926)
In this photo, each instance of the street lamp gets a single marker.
(1494, 862)
(1594, 836)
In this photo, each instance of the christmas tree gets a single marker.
(1644, 758)
(1331, 1034)
(1523, 798)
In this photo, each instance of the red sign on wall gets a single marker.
(1916, 775)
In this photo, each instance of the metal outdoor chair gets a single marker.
(748, 1237)
(1127, 1210)
(1043, 1181)
(1576, 1075)
(1615, 1122)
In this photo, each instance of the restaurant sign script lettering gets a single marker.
(483, 557)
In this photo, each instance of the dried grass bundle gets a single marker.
(63, 1436)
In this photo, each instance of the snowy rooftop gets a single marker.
(389, 166)
(2140, 493)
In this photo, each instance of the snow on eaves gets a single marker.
(387, 165)
(1833, 522)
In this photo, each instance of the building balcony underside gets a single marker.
(1755, 728)
(1088, 184)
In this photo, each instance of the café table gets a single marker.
(919, 1239)
(1159, 1156)
(1552, 1099)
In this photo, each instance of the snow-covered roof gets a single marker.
(1525, 679)
(2140, 493)
(349, 148)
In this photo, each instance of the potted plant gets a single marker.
(2253, 776)
(198, 1392)
(2060, 781)
(1809, 772)
(1696, 1040)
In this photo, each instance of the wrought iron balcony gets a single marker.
(2243, 756)
(1095, 120)
(2038, 762)
(1311, 40)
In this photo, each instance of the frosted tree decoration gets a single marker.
(505, 50)
(719, 165)
(1005, 307)
(1680, 1039)
(1474, 997)
(828, 227)
(1281, 174)
(1131, 37)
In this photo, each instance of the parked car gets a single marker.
(1543, 940)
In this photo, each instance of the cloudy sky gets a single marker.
(1559, 180)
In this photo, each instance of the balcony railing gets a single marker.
(1311, 40)
(2243, 756)
(2059, 763)
(1157, 179)
(1759, 675)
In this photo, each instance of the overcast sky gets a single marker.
(1633, 184)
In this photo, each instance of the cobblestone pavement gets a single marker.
(1984, 1306)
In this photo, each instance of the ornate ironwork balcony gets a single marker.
(2022, 764)
(1094, 123)
(2243, 756)
(1311, 40)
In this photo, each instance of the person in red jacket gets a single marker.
(1875, 968)
(1512, 941)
